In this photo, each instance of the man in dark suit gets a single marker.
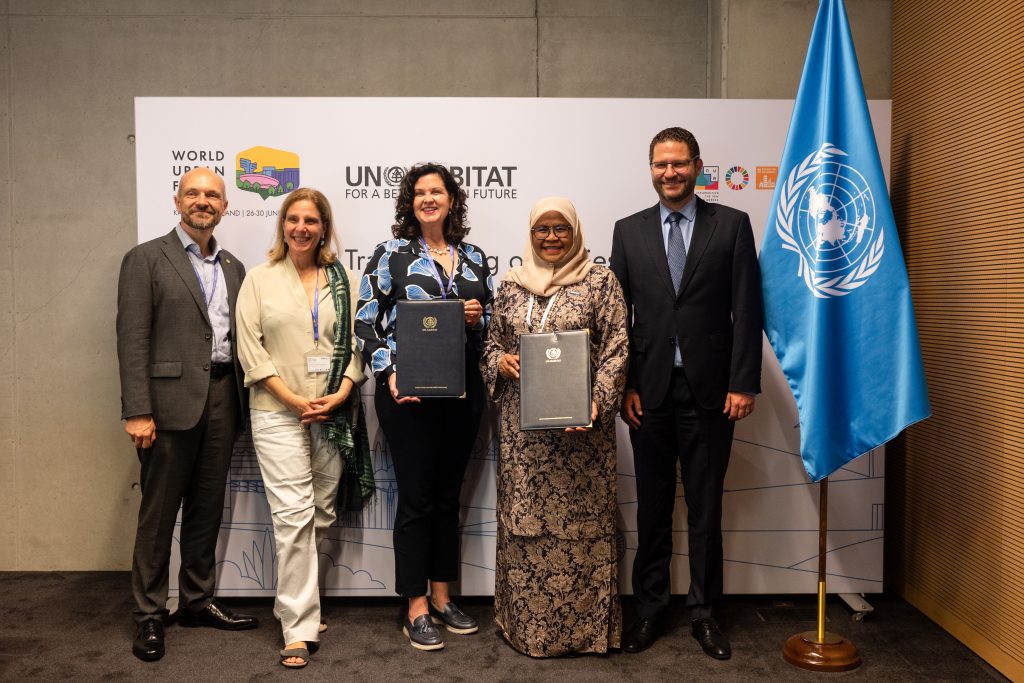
(183, 403)
(690, 277)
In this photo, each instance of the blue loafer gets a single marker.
(454, 619)
(422, 633)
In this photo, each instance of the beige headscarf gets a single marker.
(537, 275)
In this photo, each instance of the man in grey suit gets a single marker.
(689, 273)
(183, 403)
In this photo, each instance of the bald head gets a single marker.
(201, 200)
(201, 176)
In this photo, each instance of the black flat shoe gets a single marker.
(149, 641)
(711, 639)
(217, 616)
(641, 635)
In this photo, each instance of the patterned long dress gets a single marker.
(556, 581)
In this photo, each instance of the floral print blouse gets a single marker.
(402, 269)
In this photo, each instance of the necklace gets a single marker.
(440, 251)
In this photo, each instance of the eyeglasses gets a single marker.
(677, 166)
(542, 231)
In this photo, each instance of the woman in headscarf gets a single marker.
(556, 581)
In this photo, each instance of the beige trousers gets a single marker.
(300, 473)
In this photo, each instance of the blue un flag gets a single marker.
(837, 301)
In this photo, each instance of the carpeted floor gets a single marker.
(76, 626)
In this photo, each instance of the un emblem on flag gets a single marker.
(826, 214)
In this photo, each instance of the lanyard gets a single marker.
(316, 310)
(543, 318)
(208, 298)
(433, 266)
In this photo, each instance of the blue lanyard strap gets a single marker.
(433, 266)
(208, 298)
(316, 310)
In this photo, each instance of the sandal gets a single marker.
(297, 653)
(323, 627)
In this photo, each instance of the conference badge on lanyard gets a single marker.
(317, 362)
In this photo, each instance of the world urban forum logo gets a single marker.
(267, 171)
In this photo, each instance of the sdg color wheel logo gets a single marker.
(266, 171)
(737, 178)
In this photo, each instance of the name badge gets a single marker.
(317, 363)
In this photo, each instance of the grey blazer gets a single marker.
(164, 334)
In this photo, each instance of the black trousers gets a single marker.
(184, 469)
(698, 441)
(430, 445)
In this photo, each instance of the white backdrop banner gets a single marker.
(508, 153)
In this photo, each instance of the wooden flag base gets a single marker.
(834, 653)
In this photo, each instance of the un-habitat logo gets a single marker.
(826, 214)
(267, 171)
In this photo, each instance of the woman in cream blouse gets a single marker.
(294, 316)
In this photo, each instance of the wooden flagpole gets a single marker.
(819, 650)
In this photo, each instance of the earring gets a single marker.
(321, 241)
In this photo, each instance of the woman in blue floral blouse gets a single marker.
(431, 440)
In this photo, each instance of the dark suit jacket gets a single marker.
(717, 315)
(164, 333)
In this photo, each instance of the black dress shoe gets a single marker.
(217, 616)
(149, 641)
(641, 635)
(711, 639)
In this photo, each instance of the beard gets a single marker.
(199, 223)
(679, 193)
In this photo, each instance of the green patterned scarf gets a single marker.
(349, 440)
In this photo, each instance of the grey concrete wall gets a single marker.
(69, 70)
(763, 45)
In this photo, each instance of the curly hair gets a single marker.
(456, 224)
(324, 252)
(676, 135)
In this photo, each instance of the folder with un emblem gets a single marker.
(554, 380)
(431, 342)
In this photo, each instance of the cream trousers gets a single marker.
(300, 473)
